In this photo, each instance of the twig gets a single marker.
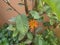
(12, 7)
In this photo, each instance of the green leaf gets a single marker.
(20, 43)
(51, 22)
(46, 23)
(55, 6)
(4, 41)
(29, 36)
(35, 14)
(38, 40)
(15, 33)
(22, 25)
(28, 41)
(10, 27)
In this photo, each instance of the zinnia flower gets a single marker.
(33, 24)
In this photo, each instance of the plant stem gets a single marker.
(36, 2)
(26, 6)
(33, 4)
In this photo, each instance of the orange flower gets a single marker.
(33, 24)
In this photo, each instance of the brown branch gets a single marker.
(36, 3)
(33, 4)
(26, 6)
(12, 7)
